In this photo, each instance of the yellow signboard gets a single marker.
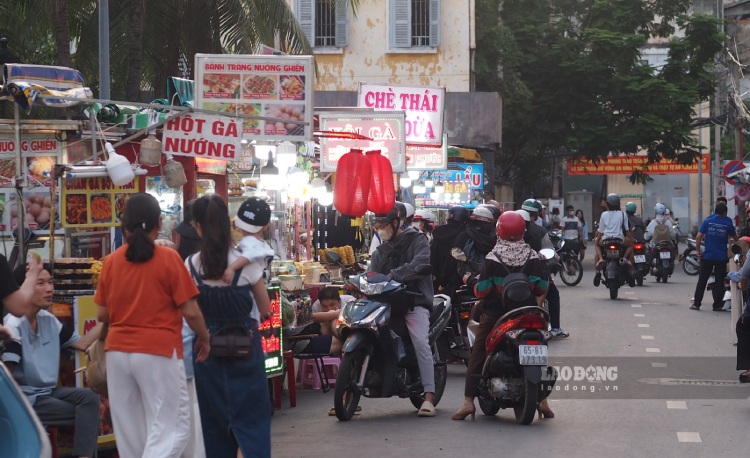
(94, 202)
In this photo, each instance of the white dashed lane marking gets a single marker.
(639, 315)
(688, 437)
(644, 325)
(635, 306)
(658, 364)
(682, 405)
(653, 350)
(647, 337)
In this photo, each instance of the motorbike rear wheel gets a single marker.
(346, 394)
(689, 268)
(441, 376)
(489, 407)
(526, 411)
(613, 288)
(571, 271)
(639, 280)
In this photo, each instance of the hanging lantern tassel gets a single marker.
(382, 191)
(352, 185)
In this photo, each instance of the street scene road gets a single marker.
(673, 391)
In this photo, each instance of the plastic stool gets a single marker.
(309, 375)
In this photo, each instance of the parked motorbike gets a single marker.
(570, 268)
(462, 304)
(691, 265)
(515, 372)
(378, 357)
(616, 272)
(642, 260)
(662, 264)
(22, 435)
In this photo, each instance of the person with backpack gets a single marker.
(512, 261)
(403, 249)
(476, 241)
(635, 223)
(660, 229)
(613, 224)
(443, 238)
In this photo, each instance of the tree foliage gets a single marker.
(574, 79)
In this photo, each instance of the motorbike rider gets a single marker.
(496, 212)
(443, 264)
(510, 254)
(477, 240)
(538, 238)
(659, 229)
(410, 211)
(613, 224)
(424, 221)
(403, 249)
(635, 223)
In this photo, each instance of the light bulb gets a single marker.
(326, 199)
(405, 181)
(439, 188)
(429, 182)
(414, 174)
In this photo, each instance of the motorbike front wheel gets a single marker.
(571, 272)
(489, 406)
(441, 376)
(346, 394)
(525, 412)
(689, 268)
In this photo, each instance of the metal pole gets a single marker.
(700, 189)
(94, 133)
(20, 184)
(104, 76)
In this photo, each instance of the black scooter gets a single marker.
(616, 273)
(378, 357)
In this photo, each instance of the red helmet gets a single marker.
(511, 226)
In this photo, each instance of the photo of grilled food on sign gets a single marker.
(249, 125)
(101, 208)
(293, 87)
(285, 113)
(218, 85)
(76, 212)
(40, 167)
(259, 86)
(120, 200)
(38, 205)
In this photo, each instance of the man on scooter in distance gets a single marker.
(403, 249)
(613, 224)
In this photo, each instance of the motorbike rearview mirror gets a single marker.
(458, 254)
(547, 253)
(738, 259)
(333, 257)
(423, 269)
(736, 249)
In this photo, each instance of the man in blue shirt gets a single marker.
(717, 230)
(33, 357)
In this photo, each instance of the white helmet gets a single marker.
(424, 215)
(526, 216)
(409, 209)
(660, 209)
(482, 214)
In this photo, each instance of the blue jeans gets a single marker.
(235, 406)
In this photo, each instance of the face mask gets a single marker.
(385, 234)
(570, 213)
(416, 225)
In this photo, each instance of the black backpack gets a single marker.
(517, 289)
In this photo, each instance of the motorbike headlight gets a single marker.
(368, 288)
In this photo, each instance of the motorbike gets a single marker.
(378, 357)
(464, 300)
(515, 372)
(570, 268)
(22, 435)
(642, 260)
(616, 272)
(690, 263)
(662, 264)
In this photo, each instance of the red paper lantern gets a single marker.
(352, 185)
(382, 191)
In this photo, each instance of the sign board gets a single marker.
(94, 202)
(203, 136)
(463, 185)
(279, 87)
(422, 105)
(732, 166)
(38, 205)
(270, 335)
(386, 129)
(40, 153)
(427, 157)
(624, 165)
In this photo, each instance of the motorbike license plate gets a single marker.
(640, 258)
(665, 254)
(532, 355)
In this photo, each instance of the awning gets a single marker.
(466, 154)
(23, 83)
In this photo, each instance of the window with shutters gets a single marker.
(413, 24)
(324, 22)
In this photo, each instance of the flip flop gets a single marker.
(427, 410)
(332, 412)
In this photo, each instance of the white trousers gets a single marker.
(150, 405)
(195, 447)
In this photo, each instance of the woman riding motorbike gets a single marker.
(510, 254)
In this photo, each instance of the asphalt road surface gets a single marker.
(645, 376)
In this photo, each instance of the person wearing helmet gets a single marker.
(376, 241)
(534, 207)
(403, 249)
(661, 226)
(496, 212)
(717, 229)
(476, 241)
(444, 237)
(538, 239)
(510, 254)
(410, 210)
(424, 221)
(613, 224)
(635, 223)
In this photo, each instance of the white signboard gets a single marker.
(422, 105)
(202, 135)
(279, 87)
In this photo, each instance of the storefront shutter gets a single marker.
(434, 23)
(351, 187)
(342, 23)
(306, 17)
(399, 23)
(382, 191)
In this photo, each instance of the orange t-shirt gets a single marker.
(143, 300)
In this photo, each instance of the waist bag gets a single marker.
(226, 310)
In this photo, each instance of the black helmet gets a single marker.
(458, 214)
(613, 200)
(387, 218)
(494, 210)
